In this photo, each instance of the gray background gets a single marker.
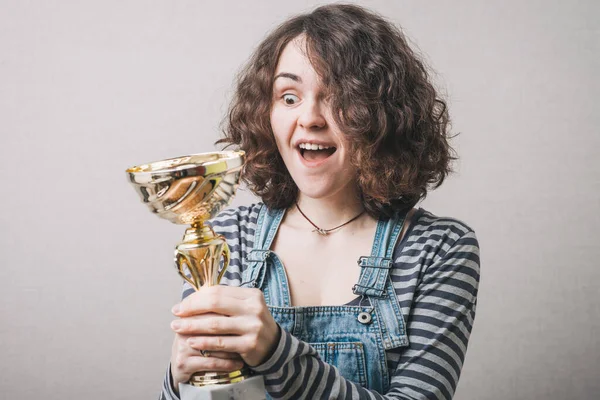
(88, 89)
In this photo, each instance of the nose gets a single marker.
(312, 116)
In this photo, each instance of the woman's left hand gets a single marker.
(230, 319)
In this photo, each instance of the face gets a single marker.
(314, 150)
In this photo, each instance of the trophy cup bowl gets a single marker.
(190, 190)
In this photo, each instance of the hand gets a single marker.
(186, 360)
(228, 319)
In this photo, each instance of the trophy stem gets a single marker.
(197, 259)
(198, 225)
(198, 256)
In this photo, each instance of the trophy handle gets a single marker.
(199, 275)
(180, 262)
(226, 258)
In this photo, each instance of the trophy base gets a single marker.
(249, 389)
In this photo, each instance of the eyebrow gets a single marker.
(293, 77)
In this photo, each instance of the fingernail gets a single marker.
(175, 309)
(175, 325)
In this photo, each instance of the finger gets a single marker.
(219, 301)
(185, 349)
(208, 324)
(231, 344)
(190, 365)
(222, 355)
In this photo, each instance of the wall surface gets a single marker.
(88, 89)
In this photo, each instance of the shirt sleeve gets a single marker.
(168, 393)
(438, 327)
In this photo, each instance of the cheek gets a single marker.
(281, 127)
(276, 132)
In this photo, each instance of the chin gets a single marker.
(312, 188)
(319, 190)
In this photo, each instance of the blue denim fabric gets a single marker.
(356, 349)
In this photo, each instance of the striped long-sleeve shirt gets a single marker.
(435, 276)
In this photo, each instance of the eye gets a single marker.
(290, 99)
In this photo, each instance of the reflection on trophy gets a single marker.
(191, 190)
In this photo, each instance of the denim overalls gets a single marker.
(352, 338)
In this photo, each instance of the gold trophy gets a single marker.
(190, 190)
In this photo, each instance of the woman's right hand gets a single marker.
(185, 360)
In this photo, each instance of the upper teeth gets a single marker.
(312, 146)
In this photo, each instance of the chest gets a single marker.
(322, 270)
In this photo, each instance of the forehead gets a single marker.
(294, 59)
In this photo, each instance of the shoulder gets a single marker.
(429, 223)
(439, 256)
(436, 237)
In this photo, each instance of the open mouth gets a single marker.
(314, 154)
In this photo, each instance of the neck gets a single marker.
(328, 212)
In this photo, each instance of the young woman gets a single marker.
(338, 288)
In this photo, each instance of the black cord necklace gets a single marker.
(325, 232)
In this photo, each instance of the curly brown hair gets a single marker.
(394, 119)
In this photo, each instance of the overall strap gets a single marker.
(376, 267)
(375, 281)
(266, 228)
